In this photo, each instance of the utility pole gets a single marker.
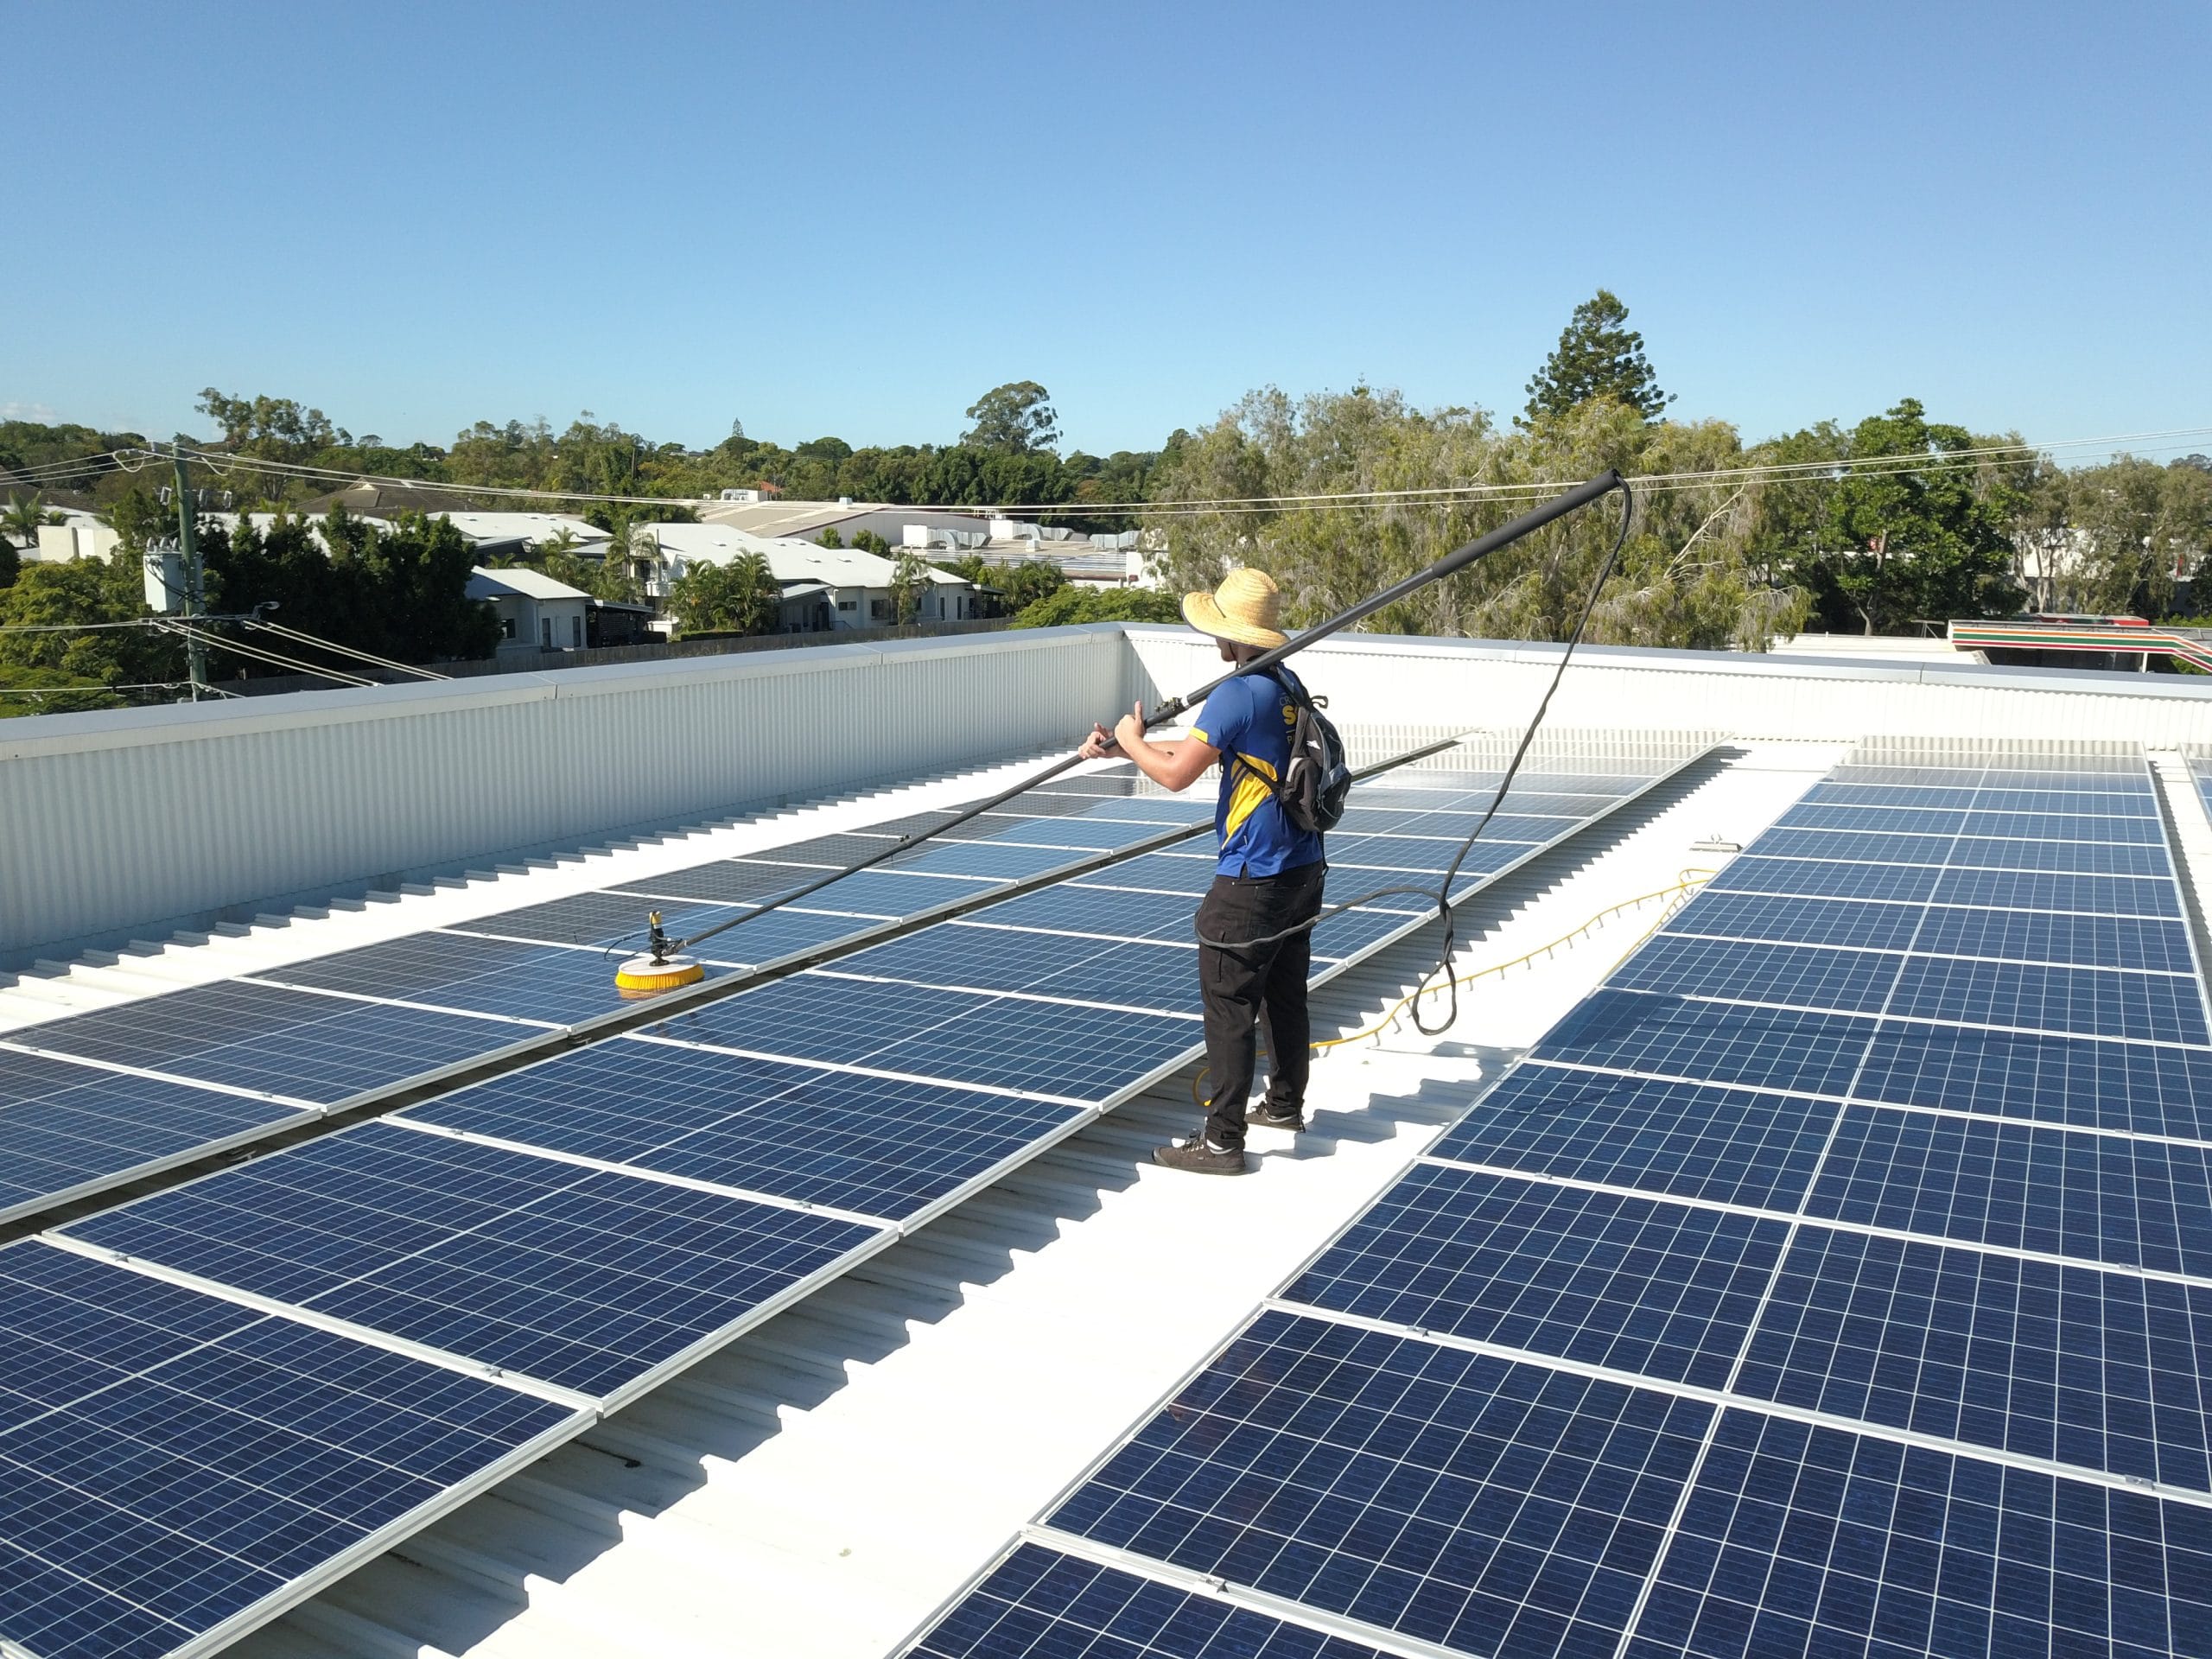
(195, 585)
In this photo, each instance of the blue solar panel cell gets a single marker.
(887, 893)
(2101, 797)
(1161, 976)
(1817, 811)
(1055, 1048)
(2095, 1197)
(1002, 960)
(168, 1460)
(2102, 1370)
(298, 1044)
(874, 1145)
(1459, 1499)
(597, 918)
(1856, 846)
(732, 880)
(1178, 873)
(2036, 996)
(1855, 774)
(1000, 860)
(1635, 1284)
(2066, 826)
(1806, 976)
(2160, 945)
(1039, 1604)
(1807, 879)
(64, 1126)
(1786, 920)
(570, 1274)
(1911, 797)
(471, 975)
(2105, 895)
(1805, 1541)
(1711, 1042)
(1092, 911)
(1350, 931)
(2059, 857)
(1095, 835)
(1730, 1146)
(2087, 1083)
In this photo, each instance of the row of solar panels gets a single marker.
(231, 1390)
(105, 1097)
(1837, 1279)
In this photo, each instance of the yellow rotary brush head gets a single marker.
(644, 976)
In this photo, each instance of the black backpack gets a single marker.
(1314, 787)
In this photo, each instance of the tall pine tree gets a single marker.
(1598, 356)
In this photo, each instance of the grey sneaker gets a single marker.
(1266, 1116)
(1200, 1157)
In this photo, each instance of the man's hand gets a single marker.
(1099, 744)
(1128, 731)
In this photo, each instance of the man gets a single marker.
(1267, 882)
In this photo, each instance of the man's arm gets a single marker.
(1172, 766)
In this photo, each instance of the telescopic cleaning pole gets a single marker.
(661, 969)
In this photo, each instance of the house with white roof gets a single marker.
(535, 612)
(824, 587)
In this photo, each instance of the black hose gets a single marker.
(1442, 894)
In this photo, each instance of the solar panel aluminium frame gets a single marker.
(592, 1410)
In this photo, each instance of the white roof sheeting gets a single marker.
(532, 527)
(789, 558)
(521, 581)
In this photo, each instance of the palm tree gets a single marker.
(758, 599)
(20, 522)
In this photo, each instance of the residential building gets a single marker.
(824, 588)
(535, 612)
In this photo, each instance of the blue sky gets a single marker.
(854, 219)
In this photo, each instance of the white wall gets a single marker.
(1467, 683)
(136, 817)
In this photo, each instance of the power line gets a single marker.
(1779, 470)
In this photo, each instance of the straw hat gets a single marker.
(1245, 608)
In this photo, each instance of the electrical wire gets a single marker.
(239, 648)
(305, 638)
(1779, 470)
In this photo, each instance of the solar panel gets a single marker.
(1632, 1284)
(1895, 1185)
(297, 1043)
(170, 1462)
(1464, 1500)
(1799, 1539)
(65, 1126)
(878, 1146)
(1040, 1604)
(2063, 1364)
(579, 1277)
(1726, 1146)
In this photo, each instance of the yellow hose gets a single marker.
(1690, 880)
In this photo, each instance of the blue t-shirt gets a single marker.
(1252, 716)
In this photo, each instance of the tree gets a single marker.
(49, 691)
(1024, 584)
(1073, 604)
(740, 597)
(1687, 576)
(909, 580)
(829, 537)
(1887, 547)
(76, 592)
(868, 541)
(1598, 356)
(1015, 419)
